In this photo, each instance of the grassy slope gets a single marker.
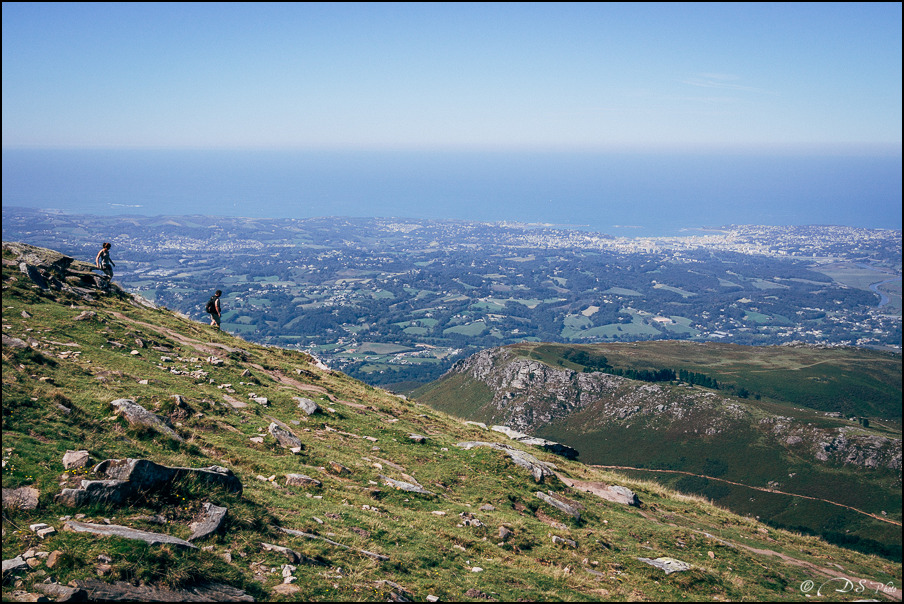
(430, 554)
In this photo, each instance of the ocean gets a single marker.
(629, 194)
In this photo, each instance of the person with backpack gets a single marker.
(213, 308)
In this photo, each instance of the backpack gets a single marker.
(211, 305)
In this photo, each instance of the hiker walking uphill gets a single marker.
(213, 307)
(104, 263)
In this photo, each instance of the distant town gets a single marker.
(395, 301)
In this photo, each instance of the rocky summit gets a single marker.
(147, 457)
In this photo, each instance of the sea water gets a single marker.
(622, 194)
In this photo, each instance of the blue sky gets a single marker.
(452, 76)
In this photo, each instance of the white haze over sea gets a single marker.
(633, 194)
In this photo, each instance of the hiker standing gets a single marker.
(213, 307)
(104, 263)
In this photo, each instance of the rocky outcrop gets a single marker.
(538, 469)
(528, 394)
(128, 479)
(51, 270)
(547, 445)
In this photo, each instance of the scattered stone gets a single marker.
(418, 438)
(284, 437)
(558, 504)
(137, 415)
(432, 598)
(85, 315)
(669, 565)
(338, 468)
(54, 557)
(307, 405)
(208, 522)
(557, 540)
(505, 533)
(487, 508)
(478, 424)
(11, 342)
(76, 459)
(300, 480)
(293, 556)
(468, 519)
(257, 439)
(23, 498)
(126, 533)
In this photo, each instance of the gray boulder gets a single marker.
(300, 480)
(137, 415)
(76, 459)
(208, 522)
(23, 498)
(307, 405)
(284, 437)
(559, 504)
(131, 479)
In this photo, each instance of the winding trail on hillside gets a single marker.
(849, 583)
(763, 489)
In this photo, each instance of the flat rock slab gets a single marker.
(373, 555)
(14, 565)
(669, 565)
(406, 486)
(614, 493)
(115, 530)
(120, 591)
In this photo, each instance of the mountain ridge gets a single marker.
(676, 427)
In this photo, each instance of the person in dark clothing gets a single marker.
(104, 263)
(213, 307)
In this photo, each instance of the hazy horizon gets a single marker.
(620, 194)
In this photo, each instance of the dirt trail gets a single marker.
(763, 489)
